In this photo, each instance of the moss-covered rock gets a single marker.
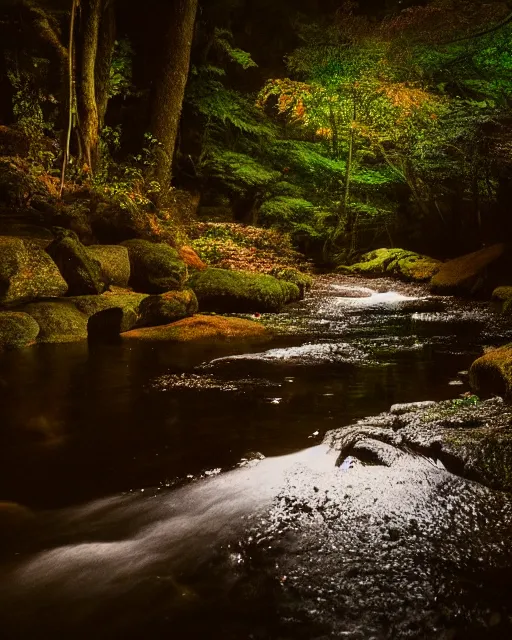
(476, 273)
(155, 267)
(27, 272)
(199, 328)
(108, 315)
(191, 259)
(296, 277)
(17, 330)
(502, 298)
(404, 264)
(114, 262)
(492, 373)
(80, 270)
(223, 290)
(37, 234)
(59, 321)
(167, 307)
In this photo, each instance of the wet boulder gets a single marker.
(226, 291)
(155, 267)
(14, 519)
(27, 272)
(492, 373)
(17, 330)
(114, 262)
(477, 273)
(59, 321)
(468, 437)
(81, 271)
(201, 328)
(404, 264)
(167, 307)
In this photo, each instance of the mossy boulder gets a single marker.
(108, 315)
(404, 264)
(167, 307)
(476, 273)
(155, 267)
(492, 373)
(59, 321)
(225, 291)
(17, 330)
(114, 261)
(80, 270)
(199, 327)
(502, 298)
(36, 234)
(27, 272)
(191, 259)
(296, 277)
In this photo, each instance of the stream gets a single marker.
(186, 491)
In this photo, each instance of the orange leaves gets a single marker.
(406, 98)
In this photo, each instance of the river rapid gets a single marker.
(190, 491)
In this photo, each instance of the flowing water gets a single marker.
(184, 491)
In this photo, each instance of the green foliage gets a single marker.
(128, 183)
(120, 80)
(29, 99)
(239, 172)
(223, 40)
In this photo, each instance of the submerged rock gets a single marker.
(17, 330)
(82, 272)
(155, 267)
(226, 291)
(27, 272)
(59, 321)
(477, 273)
(201, 328)
(114, 262)
(167, 307)
(492, 373)
(408, 265)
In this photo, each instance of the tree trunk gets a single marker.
(87, 105)
(71, 94)
(345, 218)
(170, 88)
(106, 44)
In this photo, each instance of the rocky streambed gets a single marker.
(340, 480)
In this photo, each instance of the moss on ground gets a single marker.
(155, 267)
(226, 291)
(17, 330)
(492, 373)
(201, 327)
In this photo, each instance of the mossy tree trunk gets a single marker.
(86, 93)
(170, 88)
(106, 44)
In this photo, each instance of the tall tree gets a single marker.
(170, 88)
